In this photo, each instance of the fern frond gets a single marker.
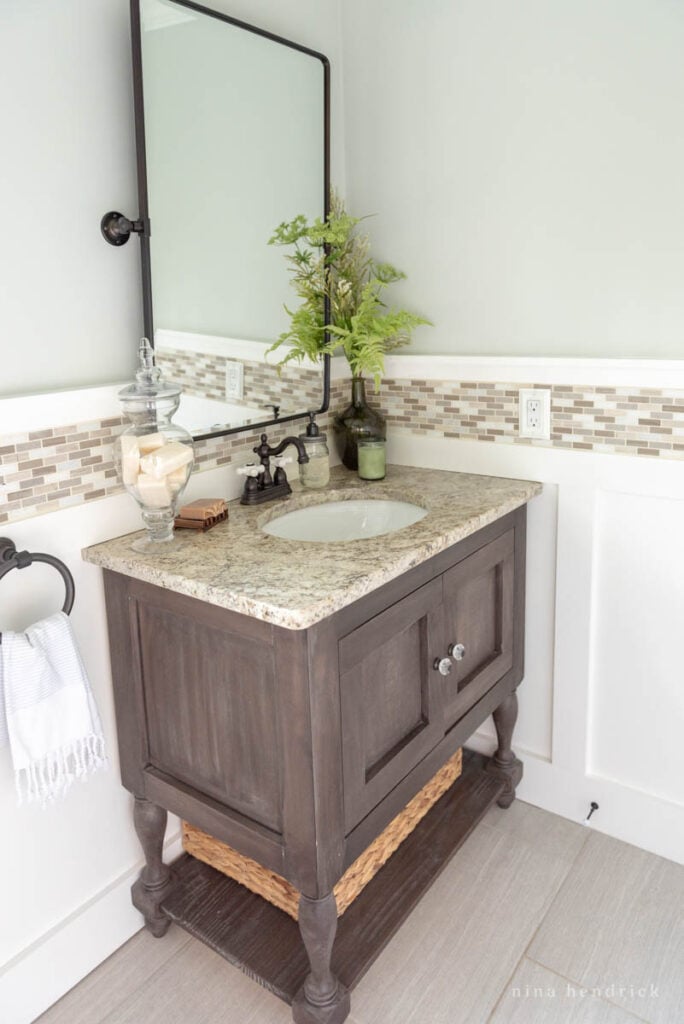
(331, 260)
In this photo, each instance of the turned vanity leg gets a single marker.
(155, 878)
(504, 763)
(322, 999)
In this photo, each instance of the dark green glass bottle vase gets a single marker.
(356, 422)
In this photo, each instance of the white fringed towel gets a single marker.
(49, 715)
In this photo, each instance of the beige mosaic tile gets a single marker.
(75, 465)
(204, 374)
(615, 420)
(44, 470)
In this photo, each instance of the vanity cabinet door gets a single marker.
(210, 703)
(390, 699)
(478, 624)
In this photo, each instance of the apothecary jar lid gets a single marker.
(150, 392)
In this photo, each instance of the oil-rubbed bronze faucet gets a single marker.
(260, 485)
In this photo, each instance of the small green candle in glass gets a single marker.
(372, 458)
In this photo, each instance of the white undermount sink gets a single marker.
(345, 520)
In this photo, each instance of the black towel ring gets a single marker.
(10, 559)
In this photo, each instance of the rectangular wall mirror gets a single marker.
(232, 130)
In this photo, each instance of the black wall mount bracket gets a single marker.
(117, 229)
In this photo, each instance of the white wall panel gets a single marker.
(636, 693)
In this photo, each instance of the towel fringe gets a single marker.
(46, 780)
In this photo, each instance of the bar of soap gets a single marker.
(165, 460)
(203, 508)
(150, 442)
(130, 459)
(177, 478)
(153, 492)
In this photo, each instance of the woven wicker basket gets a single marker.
(281, 893)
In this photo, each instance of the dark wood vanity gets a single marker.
(297, 747)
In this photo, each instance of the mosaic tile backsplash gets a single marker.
(204, 374)
(44, 470)
(621, 420)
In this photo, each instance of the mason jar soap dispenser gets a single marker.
(154, 456)
(315, 472)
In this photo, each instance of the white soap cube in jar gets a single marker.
(130, 459)
(152, 492)
(177, 478)
(166, 459)
(150, 442)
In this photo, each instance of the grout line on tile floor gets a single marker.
(506, 986)
(523, 955)
(570, 981)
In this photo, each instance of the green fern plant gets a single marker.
(331, 260)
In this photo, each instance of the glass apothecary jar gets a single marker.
(154, 456)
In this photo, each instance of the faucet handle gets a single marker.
(251, 469)
(280, 476)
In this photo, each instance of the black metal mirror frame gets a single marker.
(142, 225)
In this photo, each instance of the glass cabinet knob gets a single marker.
(457, 651)
(443, 666)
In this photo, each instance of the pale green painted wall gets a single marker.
(525, 159)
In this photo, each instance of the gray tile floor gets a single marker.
(536, 920)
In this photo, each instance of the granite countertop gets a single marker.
(294, 583)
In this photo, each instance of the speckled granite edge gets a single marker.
(295, 584)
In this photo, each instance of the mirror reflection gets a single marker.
(235, 137)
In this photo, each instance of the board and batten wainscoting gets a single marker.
(601, 697)
(601, 703)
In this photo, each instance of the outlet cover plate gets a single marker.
(535, 413)
(235, 371)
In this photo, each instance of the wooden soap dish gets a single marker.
(201, 514)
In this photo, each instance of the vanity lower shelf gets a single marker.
(265, 942)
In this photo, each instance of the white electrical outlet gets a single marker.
(535, 413)
(234, 379)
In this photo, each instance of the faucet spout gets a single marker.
(299, 445)
(276, 486)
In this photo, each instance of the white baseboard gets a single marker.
(626, 813)
(41, 974)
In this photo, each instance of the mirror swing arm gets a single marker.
(116, 228)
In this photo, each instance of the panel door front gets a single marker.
(391, 710)
(210, 709)
(478, 624)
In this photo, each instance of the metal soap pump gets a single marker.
(315, 472)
